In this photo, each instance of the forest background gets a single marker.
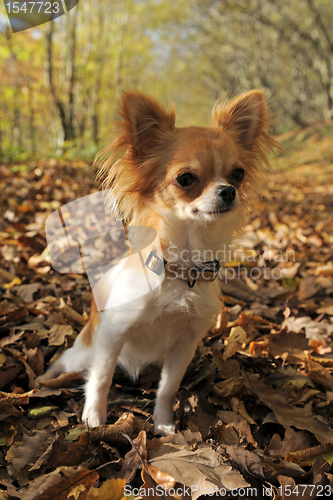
(60, 82)
(258, 409)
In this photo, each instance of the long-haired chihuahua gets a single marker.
(191, 186)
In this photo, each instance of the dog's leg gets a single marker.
(106, 349)
(107, 344)
(173, 370)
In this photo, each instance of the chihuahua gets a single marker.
(190, 185)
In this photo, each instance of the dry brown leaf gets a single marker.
(62, 417)
(70, 313)
(150, 489)
(238, 423)
(8, 401)
(293, 441)
(31, 374)
(228, 368)
(75, 452)
(8, 373)
(226, 435)
(313, 330)
(64, 380)
(302, 457)
(229, 387)
(308, 491)
(36, 360)
(236, 339)
(161, 478)
(59, 484)
(307, 288)
(326, 310)
(250, 462)
(286, 414)
(258, 348)
(201, 469)
(3, 358)
(289, 342)
(201, 422)
(26, 453)
(186, 438)
(287, 484)
(78, 493)
(26, 292)
(318, 374)
(111, 489)
(221, 321)
(50, 452)
(135, 458)
(238, 407)
(6, 275)
(11, 339)
(58, 333)
(111, 433)
(289, 272)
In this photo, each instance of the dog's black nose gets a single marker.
(227, 193)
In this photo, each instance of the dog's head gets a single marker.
(194, 173)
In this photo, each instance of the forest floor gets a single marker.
(254, 411)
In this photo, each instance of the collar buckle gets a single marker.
(155, 263)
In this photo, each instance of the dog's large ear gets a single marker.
(144, 122)
(245, 118)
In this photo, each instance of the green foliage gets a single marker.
(60, 83)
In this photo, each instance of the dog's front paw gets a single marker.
(94, 415)
(164, 429)
(163, 417)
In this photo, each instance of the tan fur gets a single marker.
(153, 142)
(90, 328)
(145, 167)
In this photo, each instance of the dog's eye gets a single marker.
(186, 179)
(238, 174)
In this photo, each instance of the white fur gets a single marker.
(165, 324)
(162, 327)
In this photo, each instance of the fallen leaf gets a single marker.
(8, 402)
(319, 374)
(229, 387)
(313, 329)
(111, 489)
(250, 462)
(26, 292)
(293, 441)
(75, 452)
(286, 414)
(228, 368)
(200, 469)
(58, 484)
(111, 433)
(239, 423)
(64, 380)
(26, 453)
(236, 339)
(307, 288)
(58, 333)
(135, 457)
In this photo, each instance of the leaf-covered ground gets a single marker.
(254, 411)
